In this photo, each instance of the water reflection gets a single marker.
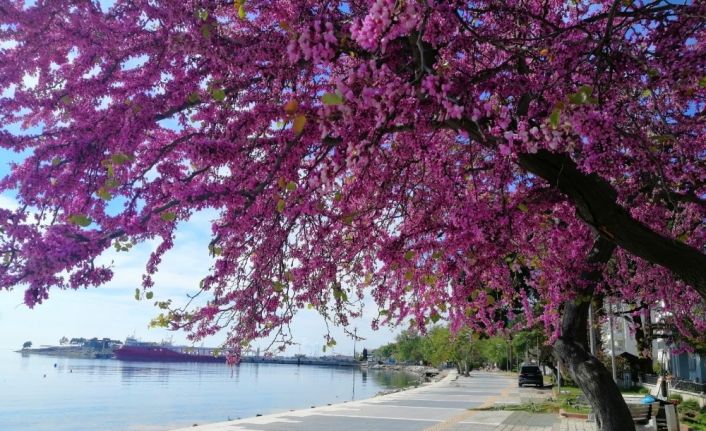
(85, 394)
(131, 374)
(394, 380)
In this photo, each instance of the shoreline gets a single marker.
(421, 371)
(280, 416)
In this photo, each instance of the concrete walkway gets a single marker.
(439, 406)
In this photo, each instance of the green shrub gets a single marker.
(689, 408)
(676, 397)
(701, 418)
(643, 390)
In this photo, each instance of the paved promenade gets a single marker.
(439, 406)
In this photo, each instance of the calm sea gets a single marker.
(41, 393)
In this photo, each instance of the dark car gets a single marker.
(531, 375)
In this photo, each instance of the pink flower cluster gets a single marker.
(378, 148)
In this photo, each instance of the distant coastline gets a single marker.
(138, 351)
(69, 352)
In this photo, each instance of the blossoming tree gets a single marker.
(489, 163)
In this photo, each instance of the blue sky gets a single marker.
(112, 311)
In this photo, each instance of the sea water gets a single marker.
(43, 393)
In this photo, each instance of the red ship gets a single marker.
(134, 350)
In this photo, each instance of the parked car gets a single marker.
(530, 375)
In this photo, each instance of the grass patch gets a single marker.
(692, 415)
(570, 398)
(698, 426)
(541, 407)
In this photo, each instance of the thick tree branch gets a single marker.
(595, 202)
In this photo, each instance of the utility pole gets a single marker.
(355, 338)
(612, 341)
(591, 332)
(539, 353)
(509, 356)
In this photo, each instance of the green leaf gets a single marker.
(168, 216)
(218, 94)
(585, 89)
(434, 317)
(429, 279)
(702, 82)
(194, 97)
(409, 255)
(160, 321)
(577, 98)
(662, 139)
(80, 220)
(241, 11)
(437, 255)
(582, 96)
(291, 186)
(55, 161)
(137, 294)
(149, 295)
(299, 123)
(340, 294)
(522, 207)
(554, 118)
(104, 194)
(206, 31)
(281, 204)
(202, 14)
(111, 183)
(349, 218)
(332, 99)
(278, 286)
(120, 158)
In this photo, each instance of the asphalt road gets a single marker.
(440, 406)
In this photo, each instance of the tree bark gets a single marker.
(590, 375)
(596, 203)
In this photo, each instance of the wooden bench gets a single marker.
(658, 418)
(641, 413)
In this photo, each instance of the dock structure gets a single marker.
(327, 361)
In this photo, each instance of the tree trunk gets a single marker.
(597, 384)
(590, 375)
